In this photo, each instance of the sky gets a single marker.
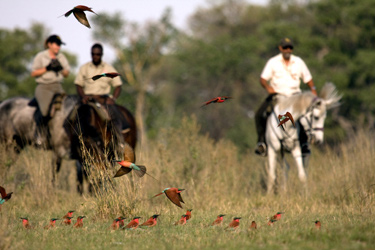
(78, 38)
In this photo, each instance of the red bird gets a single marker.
(67, 221)
(277, 216)
(151, 222)
(69, 214)
(121, 221)
(218, 220)
(133, 224)
(79, 222)
(4, 196)
(115, 224)
(25, 223)
(318, 225)
(218, 99)
(79, 13)
(52, 224)
(173, 195)
(284, 118)
(182, 221)
(110, 74)
(188, 214)
(235, 223)
(253, 225)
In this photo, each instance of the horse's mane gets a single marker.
(330, 95)
(301, 101)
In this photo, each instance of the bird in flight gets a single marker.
(4, 196)
(284, 118)
(110, 74)
(173, 195)
(218, 99)
(79, 13)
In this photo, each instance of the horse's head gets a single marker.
(313, 119)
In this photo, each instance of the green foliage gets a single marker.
(18, 48)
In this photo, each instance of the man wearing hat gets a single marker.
(49, 68)
(281, 76)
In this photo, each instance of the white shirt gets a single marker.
(286, 79)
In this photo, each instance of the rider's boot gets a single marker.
(41, 132)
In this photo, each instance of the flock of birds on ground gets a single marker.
(173, 194)
(118, 223)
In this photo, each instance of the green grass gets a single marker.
(217, 178)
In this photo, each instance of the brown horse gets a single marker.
(96, 138)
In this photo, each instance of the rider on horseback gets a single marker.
(284, 73)
(49, 68)
(98, 91)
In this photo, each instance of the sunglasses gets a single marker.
(287, 47)
(96, 54)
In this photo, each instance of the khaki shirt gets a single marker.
(286, 79)
(102, 86)
(41, 60)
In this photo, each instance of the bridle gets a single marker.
(309, 119)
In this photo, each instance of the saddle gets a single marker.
(54, 106)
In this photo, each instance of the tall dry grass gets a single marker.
(216, 177)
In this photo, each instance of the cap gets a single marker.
(54, 39)
(286, 42)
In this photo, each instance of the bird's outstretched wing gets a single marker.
(81, 17)
(3, 192)
(173, 197)
(291, 118)
(210, 101)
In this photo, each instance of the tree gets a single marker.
(139, 50)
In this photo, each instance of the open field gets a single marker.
(217, 178)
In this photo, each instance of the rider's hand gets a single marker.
(56, 65)
(49, 66)
(109, 101)
(85, 99)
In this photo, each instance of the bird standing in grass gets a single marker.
(151, 222)
(121, 221)
(4, 196)
(188, 214)
(218, 220)
(79, 222)
(69, 214)
(277, 216)
(25, 223)
(218, 99)
(52, 223)
(67, 221)
(318, 225)
(173, 195)
(115, 224)
(271, 221)
(181, 221)
(79, 13)
(253, 225)
(235, 223)
(133, 224)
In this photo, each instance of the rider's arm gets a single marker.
(116, 92)
(38, 72)
(312, 87)
(265, 85)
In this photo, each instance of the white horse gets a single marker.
(311, 111)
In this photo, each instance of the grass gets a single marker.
(217, 178)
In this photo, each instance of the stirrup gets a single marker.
(261, 149)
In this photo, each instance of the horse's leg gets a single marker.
(297, 155)
(56, 165)
(79, 169)
(272, 158)
(285, 169)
